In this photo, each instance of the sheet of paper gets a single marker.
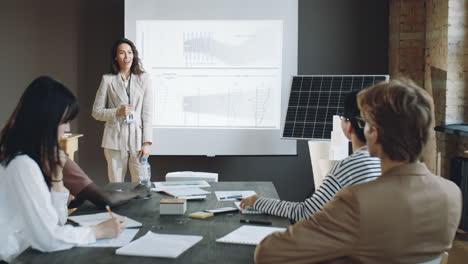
(249, 235)
(246, 211)
(93, 219)
(123, 239)
(186, 192)
(159, 245)
(163, 186)
(233, 195)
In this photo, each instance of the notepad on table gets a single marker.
(94, 219)
(163, 186)
(246, 211)
(186, 192)
(159, 245)
(233, 195)
(249, 235)
(123, 239)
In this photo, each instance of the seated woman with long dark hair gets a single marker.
(33, 200)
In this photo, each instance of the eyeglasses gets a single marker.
(343, 118)
(360, 122)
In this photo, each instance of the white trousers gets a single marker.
(117, 163)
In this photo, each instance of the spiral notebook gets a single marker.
(249, 235)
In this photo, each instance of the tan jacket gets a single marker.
(408, 215)
(110, 96)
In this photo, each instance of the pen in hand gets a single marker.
(109, 210)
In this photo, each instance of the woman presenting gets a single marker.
(124, 101)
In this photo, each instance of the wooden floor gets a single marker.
(459, 252)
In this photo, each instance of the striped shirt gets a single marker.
(359, 167)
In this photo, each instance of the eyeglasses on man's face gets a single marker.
(360, 122)
(343, 118)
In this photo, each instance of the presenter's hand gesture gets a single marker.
(110, 228)
(124, 110)
(145, 150)
(249, 201)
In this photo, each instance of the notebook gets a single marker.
(123, 239)
(246, 211)
(249, 235)
(186, 192)
(163, 186)
(233, 195)
(159, 245)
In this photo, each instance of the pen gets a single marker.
(257, 222)
(231, 197)
(109, 210)
(176, 184)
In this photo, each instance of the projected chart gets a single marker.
(214, 74)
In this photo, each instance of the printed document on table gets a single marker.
(159, 245)
(171, 185)
(249, 235)
(123, 239)
(233, 195)
(186, 192)
(94, 219)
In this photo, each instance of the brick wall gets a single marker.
(407, 49)
(427, 44)
(436, 72)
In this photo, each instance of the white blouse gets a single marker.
(31, 215)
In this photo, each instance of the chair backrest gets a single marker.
(442, 259)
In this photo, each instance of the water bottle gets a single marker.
(144, 173)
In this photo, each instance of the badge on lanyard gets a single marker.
(131, 117)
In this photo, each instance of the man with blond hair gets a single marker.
(407, 215)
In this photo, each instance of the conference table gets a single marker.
(146, 211)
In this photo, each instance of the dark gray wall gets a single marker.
(70, 40)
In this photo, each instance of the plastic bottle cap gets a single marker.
(144, 159)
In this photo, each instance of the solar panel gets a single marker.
(314, 99)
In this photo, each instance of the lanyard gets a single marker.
(127, 89)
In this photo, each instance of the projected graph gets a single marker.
(190, 101)
(199, 48)
(217, 74)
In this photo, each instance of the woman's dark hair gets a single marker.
(351, 111)
(32, 128)
(136, 67)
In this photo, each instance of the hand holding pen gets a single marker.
(110, 228)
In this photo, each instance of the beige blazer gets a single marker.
(407, 215)
(118, 135)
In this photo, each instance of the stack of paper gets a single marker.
(94, 219)
(159, 245)
(186, 192)
(191, 175)
(163, 186)
(249, 235)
